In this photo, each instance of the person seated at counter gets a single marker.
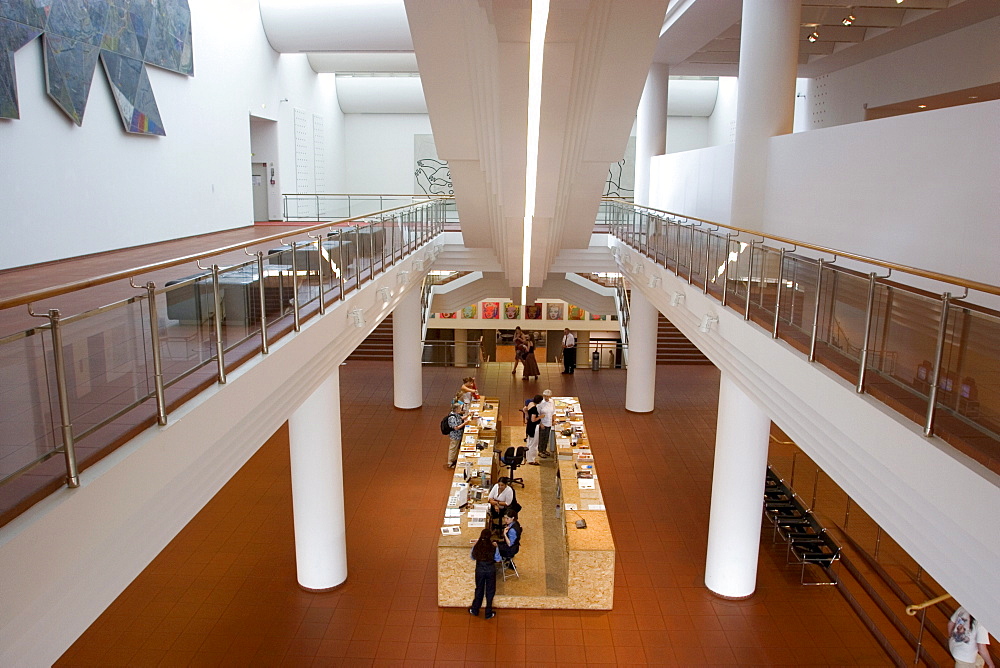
(501, 495)
(511, 543)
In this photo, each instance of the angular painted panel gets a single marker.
(69, 71)
(133, 94)
(12, 37)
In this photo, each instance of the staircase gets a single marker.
(378, 345)
(672, 347)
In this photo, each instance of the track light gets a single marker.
(401, 277)
(359, 317)
(813, 37)
(848, 20)
(385, 294)
(653, 281)
(677, 299)
(707, 321)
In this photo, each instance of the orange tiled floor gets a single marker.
(224, 592)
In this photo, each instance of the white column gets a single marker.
(640, 381)
(741, 441)
(318, 488)
(461, 347)
(407, 349)
(650, 127)
(583, 349)
(765, 108)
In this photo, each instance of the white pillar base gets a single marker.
(407, 349)
(741, 443)
(318, 489)
(640, 381)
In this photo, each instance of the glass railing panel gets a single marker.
(764, 287)
(798, 299)
(186, 311)
(742, 265)
(698, 251)
(239, 292)
(969, 382)
(717, 260)
(682, 250)
(29, 414)
(842, 321)
(108, 366)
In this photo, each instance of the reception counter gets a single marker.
(561, 566)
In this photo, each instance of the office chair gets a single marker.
(512, 458)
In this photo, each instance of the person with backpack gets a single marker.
(452, 426)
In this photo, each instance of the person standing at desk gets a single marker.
(534, 419)
(457, 423)
(486, 554)
(568, 351)
(546, 409)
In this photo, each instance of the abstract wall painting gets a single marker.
(470, 312)
(533, 312)
(125, 35)
(491, 310)
(511, 311)
(575, 312)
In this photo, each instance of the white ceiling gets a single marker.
(472, 59)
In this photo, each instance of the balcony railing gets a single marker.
(319, 207)
(932, 357)
(78, 385)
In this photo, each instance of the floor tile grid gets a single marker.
(223, 592)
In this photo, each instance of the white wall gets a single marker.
(920, 189)
(379, 151)
(722, 122)
(72, 190)
(960, 59)
(694, 183)
(686, 132)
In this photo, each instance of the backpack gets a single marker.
(445, 427)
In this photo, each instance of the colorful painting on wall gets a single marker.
(575, 312)
(491, 310)
(533, 312)
(511, 311)
(554, 312)
(447, 315)
(470, 312)
(594, 316)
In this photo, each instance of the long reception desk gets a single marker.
(567, 558)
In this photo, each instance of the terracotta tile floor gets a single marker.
(224, 591)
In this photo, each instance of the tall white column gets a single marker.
(318, 488)
(650, 127)
(741, 441)
(461, 347)
(765, 108)
(407, 349)
(640, 381)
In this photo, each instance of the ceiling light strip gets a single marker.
(536, 49)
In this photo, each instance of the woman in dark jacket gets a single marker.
(487, 555)
(530, 363)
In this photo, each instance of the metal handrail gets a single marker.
(894, 266)
(912, 610)
(55, 291)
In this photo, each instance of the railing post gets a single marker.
(725, 267)
(869, 317)
(371, 246)
(295, 287)
(920, 636)
(936, 372)
(263, 302)
(217, 300)
(154, 342)
(708, 259)
(357, 255)
(819, 297)
(691, 254)
(746, 312)
(66, 424)
(777, 296)
(319, 274)
(340, 251)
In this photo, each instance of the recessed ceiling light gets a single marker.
(848, 20)
(813, 37)
(973, 97)
(899, 2)
(921, 106)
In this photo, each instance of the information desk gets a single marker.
(589, 553)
